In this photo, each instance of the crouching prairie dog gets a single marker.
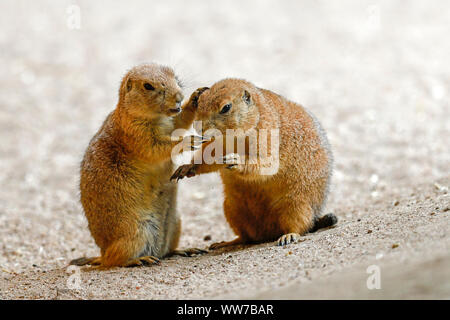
(127, 197)
(279, 192)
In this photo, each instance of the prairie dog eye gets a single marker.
(225, 108)
(148, 86)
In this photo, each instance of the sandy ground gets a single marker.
(375, 73)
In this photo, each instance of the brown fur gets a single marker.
(259, 207)
(125, 190)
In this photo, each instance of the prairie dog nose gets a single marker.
(179, 97)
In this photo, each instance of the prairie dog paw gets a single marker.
(195, 95)
(288, 238)
(189, 252)
(193, 142)
(186, 170)
(142, 261)
(225, 244)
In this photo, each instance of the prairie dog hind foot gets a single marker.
(224, 244)
(93, 261)
(188, 252)
(142, 261)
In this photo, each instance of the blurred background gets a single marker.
(375, 73)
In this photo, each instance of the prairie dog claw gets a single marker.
(187, 170)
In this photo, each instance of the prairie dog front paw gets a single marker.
(186, 170)
(193, 100)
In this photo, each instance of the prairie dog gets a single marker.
(126, 194)
(282, 205)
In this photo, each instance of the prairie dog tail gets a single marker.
(325, 221)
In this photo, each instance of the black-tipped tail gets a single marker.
(325, 221)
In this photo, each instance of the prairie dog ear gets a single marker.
(128, 85)
(125, 87)
(247, 98)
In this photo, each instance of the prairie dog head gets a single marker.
(228, 104)
(151, 90)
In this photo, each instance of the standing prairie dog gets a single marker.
(261, 207)
(126, 194)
